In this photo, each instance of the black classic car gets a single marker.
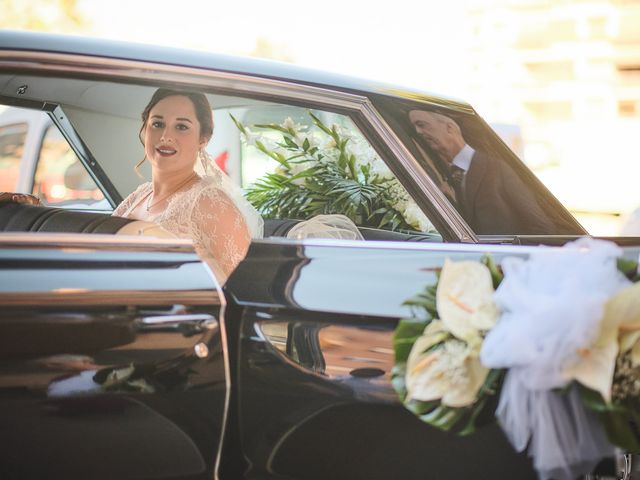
(122, 357)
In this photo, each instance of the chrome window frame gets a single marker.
(428, 196)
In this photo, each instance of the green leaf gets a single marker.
(470, 425)
(421, 408)
(496, 273)
(289, 142)
(443, 417)
(620, 431)
(238, 124)
(628, 267)
(406, 333)
(272, 126)
(397, 380)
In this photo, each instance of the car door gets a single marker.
(313, 328)
(111, 358)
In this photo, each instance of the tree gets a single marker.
(60, 16)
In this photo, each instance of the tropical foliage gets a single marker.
(329, 170)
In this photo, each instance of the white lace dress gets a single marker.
(205, 214)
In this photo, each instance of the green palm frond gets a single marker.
(333, 182)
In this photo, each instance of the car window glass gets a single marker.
(298, 163)
(60, 178)
(12, 141)
(491, 189)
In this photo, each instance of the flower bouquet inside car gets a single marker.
(549, 345)
(328, 169)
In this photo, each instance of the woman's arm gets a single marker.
(219, 232)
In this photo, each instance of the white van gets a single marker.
(35, 158)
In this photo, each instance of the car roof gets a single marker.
(77, 45)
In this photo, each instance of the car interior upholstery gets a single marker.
(101, 112)
(16, 217)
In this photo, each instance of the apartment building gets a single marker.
(568, 73)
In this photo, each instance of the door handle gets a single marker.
(188, 323)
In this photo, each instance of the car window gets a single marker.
(489, 186)
(298, 163)
(12, 142)
(60, 178)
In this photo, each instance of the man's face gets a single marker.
(430, 129)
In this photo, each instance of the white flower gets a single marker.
(250, 137)
(553, 305)
(329, 144)
(310, 137)
(289, 124)
(464, 300)
(449, 372)
(414, 217)
(595, 365)
(379, 168)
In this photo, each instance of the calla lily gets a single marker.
(627, 307)
(465, 300)
(450, 372)
(596, 364)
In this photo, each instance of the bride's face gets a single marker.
(172, 135)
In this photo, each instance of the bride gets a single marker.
(209, 209)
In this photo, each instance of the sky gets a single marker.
(417, 44)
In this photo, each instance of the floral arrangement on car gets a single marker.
(330, 170)
(549, 345)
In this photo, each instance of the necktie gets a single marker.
(457, 178)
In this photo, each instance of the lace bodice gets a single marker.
(205, 214)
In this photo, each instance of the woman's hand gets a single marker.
(19, 198)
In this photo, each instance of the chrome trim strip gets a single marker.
(252, 86)
(94, 241)
(82, 297)
(222, 325)
(177, 319)
(59, 117)
(407, 246)
(189, 76)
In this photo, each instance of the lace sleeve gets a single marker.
(124, 208)
(219, 231)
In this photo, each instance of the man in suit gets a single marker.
(490, 196)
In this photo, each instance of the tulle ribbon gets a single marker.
(552, 305)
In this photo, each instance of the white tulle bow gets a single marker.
(552, 304)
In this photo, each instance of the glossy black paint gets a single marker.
(314, 361)
(313, 358)
(63, 413)
(309, 336)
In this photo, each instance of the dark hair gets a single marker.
(200, 105)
